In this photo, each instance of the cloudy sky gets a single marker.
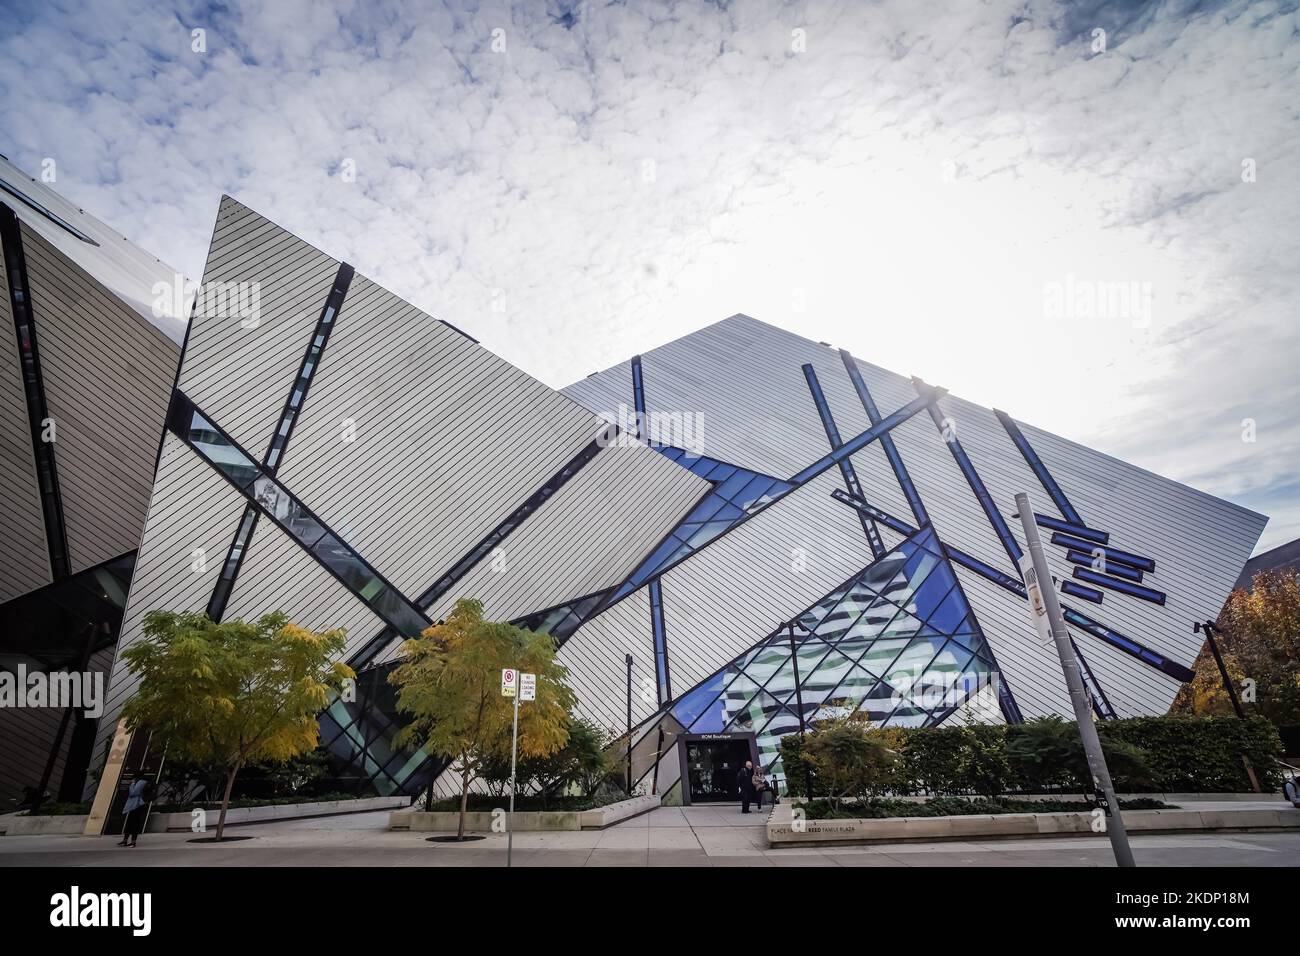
(1087, 214)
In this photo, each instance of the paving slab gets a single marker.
(558, 839)
(863, 859)
(672, 838)
(665, 817)
(624, 838)
(695, 857)
(668, 836)
(741, 859)
(601, 857)
(798, 859)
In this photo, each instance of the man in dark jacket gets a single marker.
(745, 781)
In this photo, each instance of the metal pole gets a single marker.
(798, 698)
(514, 748)
(628, 661)
(1209, 627)
(1078, 695)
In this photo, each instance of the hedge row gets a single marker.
(1172, 754)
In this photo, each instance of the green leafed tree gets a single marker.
(849, 761)
(1259, 637)
(232, 693)
(583, 764)
(449, 681)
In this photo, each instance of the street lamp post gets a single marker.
(1209, 627)
(1060, 635)
(798, 699)
(628, 661)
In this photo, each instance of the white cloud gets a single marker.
(906, 187)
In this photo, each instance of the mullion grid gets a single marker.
(775, 640)
(362, 728)
(919, 636)
(950, 636)
(834, 644)
(907, 698)
(1007, 700)
(778, 489)
(742, 662)
(882, 678)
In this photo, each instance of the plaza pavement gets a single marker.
(668, 836)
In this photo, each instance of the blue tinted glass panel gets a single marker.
(1137, 590)
(696, 701)
(707, 533)
(921, 601)
(1081, 591)
(844, 699)
(950, 613)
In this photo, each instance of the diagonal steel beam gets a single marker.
(846, 467)
(1098, 630)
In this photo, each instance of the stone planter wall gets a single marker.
(19, 824)
(782, 832)
(181, 822)
(442, 821)
(22, 825)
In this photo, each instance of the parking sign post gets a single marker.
(519, 686)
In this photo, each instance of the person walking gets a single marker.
(136, 809)
(745, 781)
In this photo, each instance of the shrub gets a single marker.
(934, 758)
(1047, 754)
(1201, 754)
(1038, 753)
(583, 763)
(984, 766)
(794, 765)
(1171, 754)
(849, 762)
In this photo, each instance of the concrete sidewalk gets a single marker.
(668, 836)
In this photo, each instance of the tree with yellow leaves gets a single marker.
(230, 693)
(449, 681)
(1259, 636)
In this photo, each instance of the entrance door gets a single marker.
(712, 765)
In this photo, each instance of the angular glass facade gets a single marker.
(49, 629)
(272, 499)
(358, 735)
(737, 493)
(897, 643)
